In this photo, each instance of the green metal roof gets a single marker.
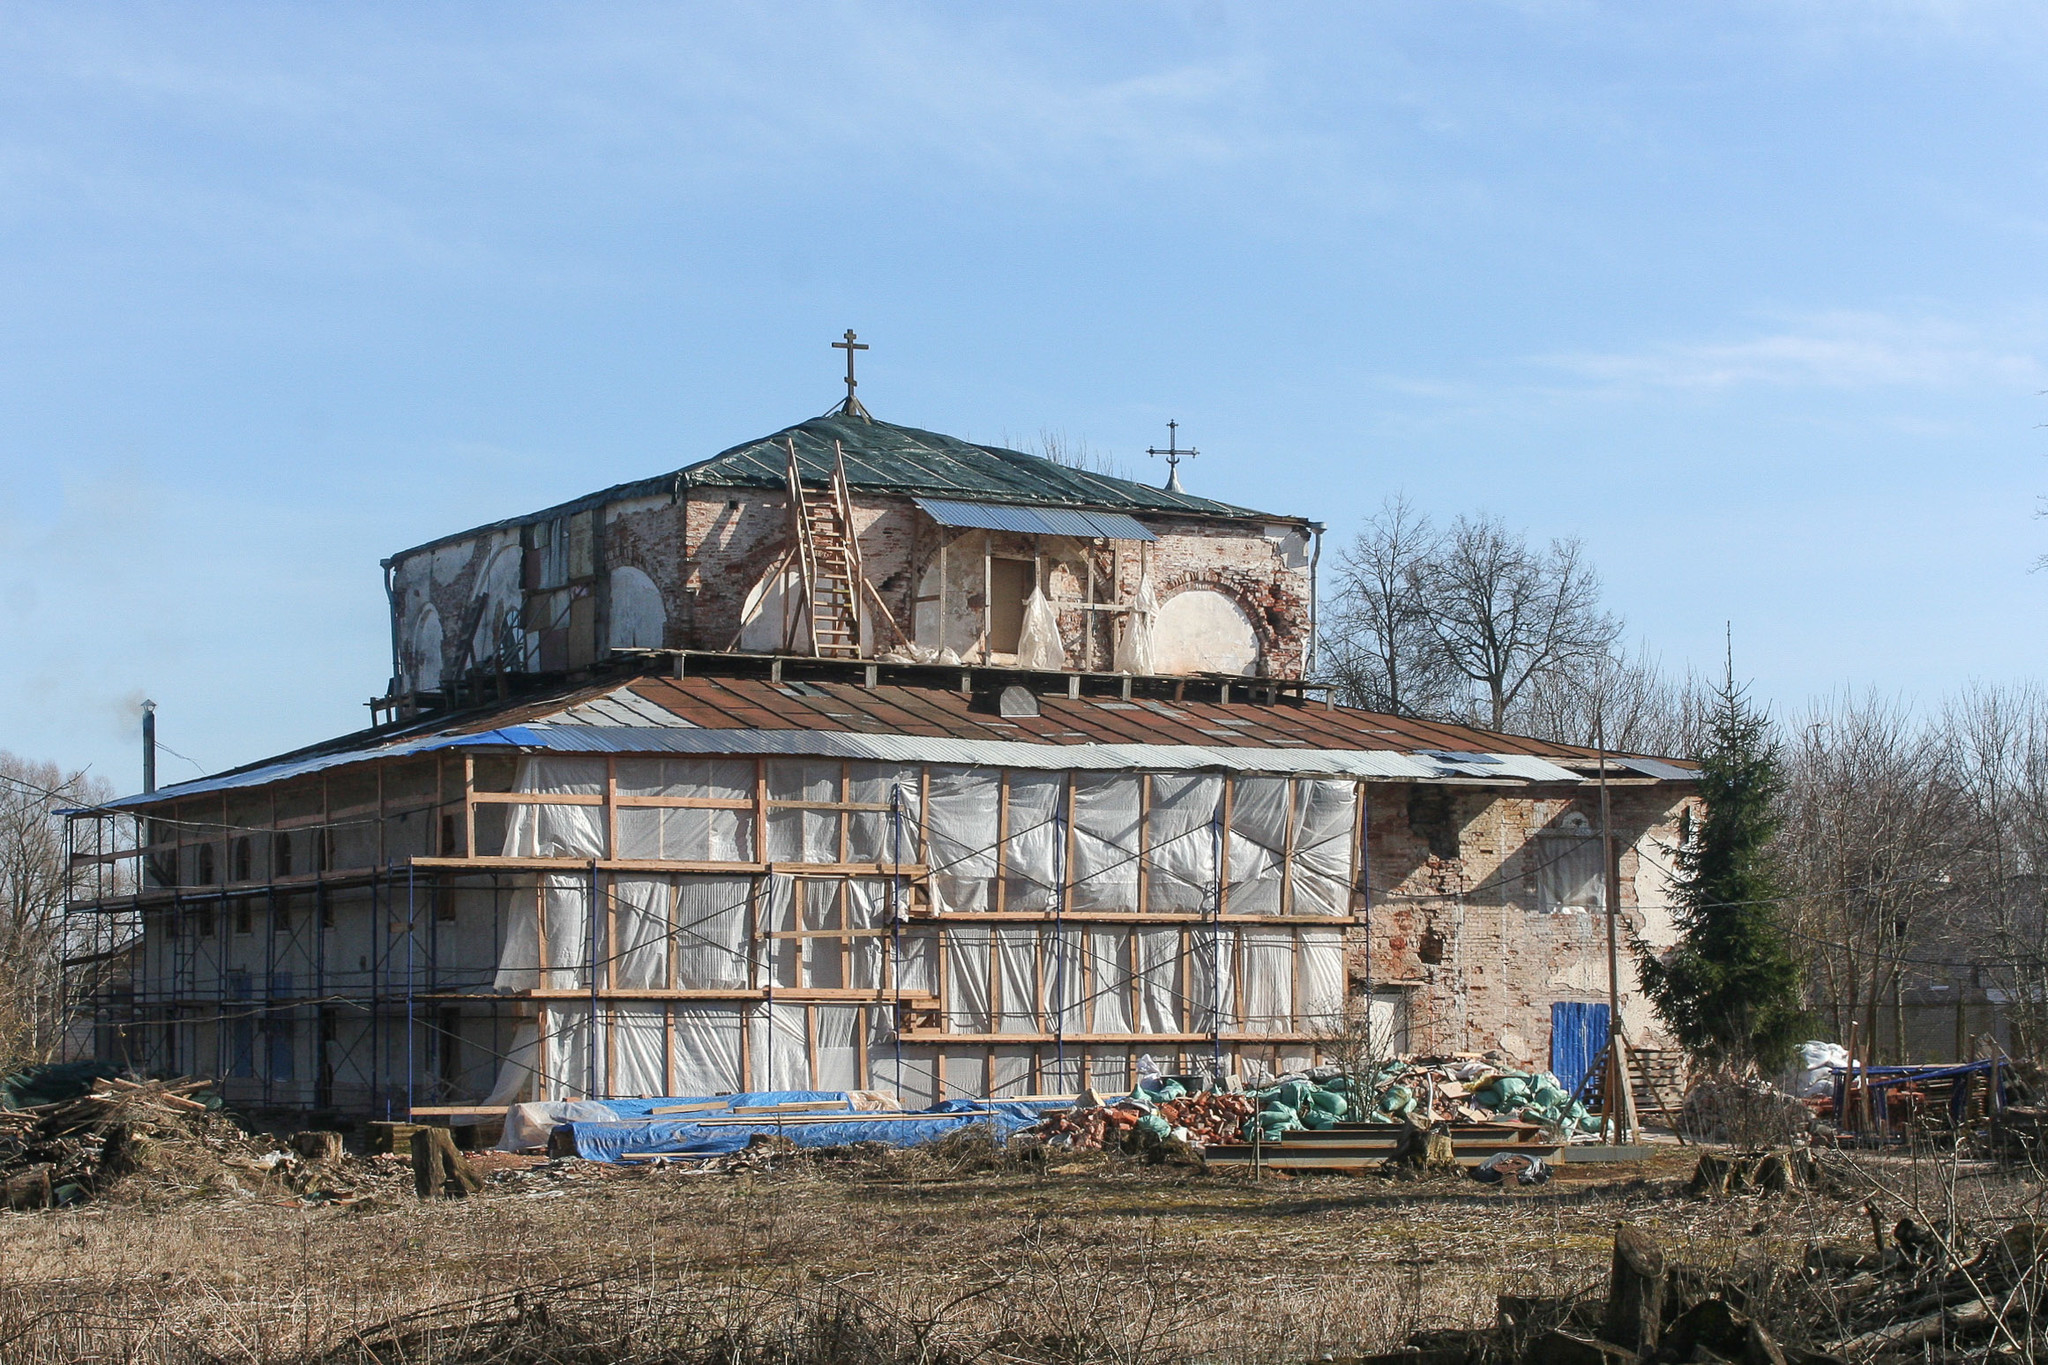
(882, 457)
(885, 458)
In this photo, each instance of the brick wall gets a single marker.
(1458, 924)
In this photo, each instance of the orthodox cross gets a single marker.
(850, 346)
(1174, 455)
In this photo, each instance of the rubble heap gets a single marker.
(1198, 1111)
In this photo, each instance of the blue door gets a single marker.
(1578, 1035)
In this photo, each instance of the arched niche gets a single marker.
(1201, 630)
(638, 618)
(423, 651)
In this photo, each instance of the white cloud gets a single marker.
(1840, 350)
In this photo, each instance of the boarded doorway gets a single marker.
(1578, 1035)
(1009, 583)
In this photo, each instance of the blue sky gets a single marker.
(1750, 296)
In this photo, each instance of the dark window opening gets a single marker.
(444, 903)
(1433, 817)
(204, 872)
(281, 854)
(245, 918)
(450, 1042)
(451, 836)
(242, 859)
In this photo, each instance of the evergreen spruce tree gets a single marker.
(1729, 991)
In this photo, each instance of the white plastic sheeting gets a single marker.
(1038, 642)
(535, 831)
(1011, 840)
(1134, 648)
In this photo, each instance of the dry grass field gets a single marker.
(904, 1257)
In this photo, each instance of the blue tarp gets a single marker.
(686, 1135)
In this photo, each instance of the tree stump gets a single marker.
(1774, 1174)
(438, 1169)
(1635, 1293)
(30, 1189)
(317, 1145)
(1439, 1154)
(1712, 1177)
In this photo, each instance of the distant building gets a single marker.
(862, 757)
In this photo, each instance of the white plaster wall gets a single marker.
(423, 655)
(638, 619)
(1203, 631)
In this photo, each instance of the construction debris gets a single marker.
(1158, 1111)
(157, 1139)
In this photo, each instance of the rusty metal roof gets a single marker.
(758, 715)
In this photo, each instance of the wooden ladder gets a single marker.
(828, 562)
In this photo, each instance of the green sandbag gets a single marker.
(1375, 1116)
(1487, 1099)
(1168, 1090)
(1342, 1085)
(1277, 1112)
(1590, 1123)
(1326, 1102)
(1397, 1100)
(1153, 1124)
(1294, 1094)
(1511, 1088)
(1270, 1124)
(1313, 1117)
(1550, 1095)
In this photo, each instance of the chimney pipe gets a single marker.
(148, 747)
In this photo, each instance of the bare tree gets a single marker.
(1075, 453)
(1996, 742)
(1378, 646)
(32, 926)
(1640, 708)
(1875, 829)
(1504, 614)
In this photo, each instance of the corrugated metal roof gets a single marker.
(1035, 521)
(706, 714)
(970, 752)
